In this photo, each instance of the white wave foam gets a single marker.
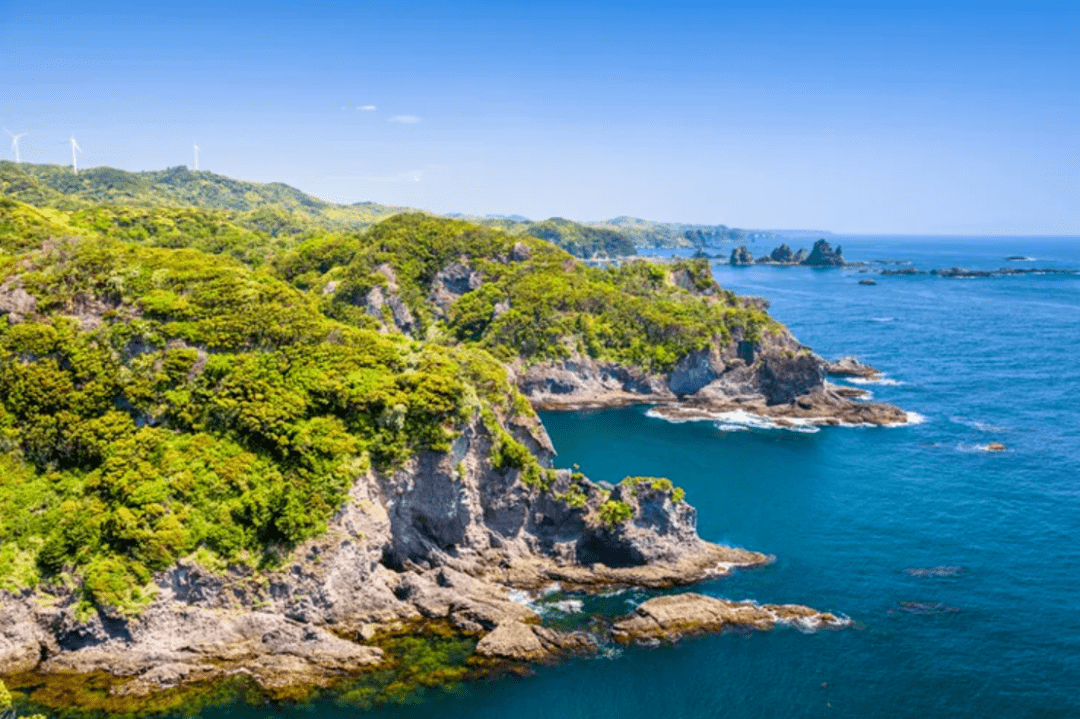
(742, 421)
(884, 381)
(882, 319)
(568, 606)
(913, 418)
(981, 426)
(811, 625)
(609, 652)
(550, 589)
(969, 448)
(527, 600)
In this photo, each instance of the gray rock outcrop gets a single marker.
(673, 617)
(823, 255)
(446, 536)
(452, 282)
(16, 302)
(741, 256)
(851, 367)
(384, 303)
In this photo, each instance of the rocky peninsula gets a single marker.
(215, 472)
(445, 538)
(775, 377)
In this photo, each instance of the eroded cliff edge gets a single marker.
(772, 375)
(446, 536)
(213, 473)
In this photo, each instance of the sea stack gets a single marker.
(823, 255)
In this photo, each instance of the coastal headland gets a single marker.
(282, 462)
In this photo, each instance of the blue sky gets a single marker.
(891, 118)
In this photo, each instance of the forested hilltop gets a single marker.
(165, 203)
(178, 382)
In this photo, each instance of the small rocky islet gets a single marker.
(447, 505)
(823, 255)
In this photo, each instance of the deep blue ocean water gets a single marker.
(853, 515)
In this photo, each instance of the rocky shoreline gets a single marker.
(447, 538)
(447, 543)
(775, 378)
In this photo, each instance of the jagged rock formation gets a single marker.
(1003, 272)
(451, 283)
(384, 303)
(446, 536)
(781, 255)
(823, 255)
(851, 367)
(773, 376)
(15, 302)
(741, 256)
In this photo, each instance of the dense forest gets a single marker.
(179, 380)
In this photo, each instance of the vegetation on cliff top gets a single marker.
(178, 381)
(159, 402)
(533, 301)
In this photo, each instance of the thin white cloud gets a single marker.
(405, 119)
(366, 108)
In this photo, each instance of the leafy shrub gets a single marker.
(614, 512)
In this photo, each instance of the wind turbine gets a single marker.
(15, 142)
(74, 147)
(196, 157)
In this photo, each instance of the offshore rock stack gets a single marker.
(822, 255)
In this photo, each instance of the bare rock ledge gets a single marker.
(673, 617)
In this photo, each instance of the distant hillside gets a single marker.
(648, 233)
(576, 238)
(166, 206)
(271, 207)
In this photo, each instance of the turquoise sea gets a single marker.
(960, 567)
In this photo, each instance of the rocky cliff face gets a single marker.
(774, 371)
(774, 376)
(445, 536)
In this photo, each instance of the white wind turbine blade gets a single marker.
(74, 147)
(15, 142)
